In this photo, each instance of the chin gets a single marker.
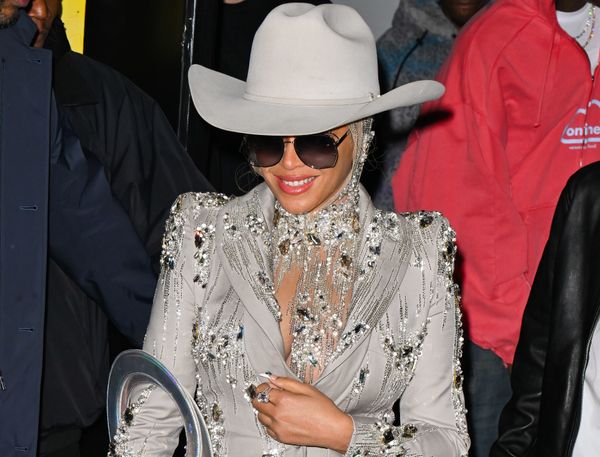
(8, 16)
(296, 205)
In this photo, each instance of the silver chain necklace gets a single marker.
(322, 247)
(589, 27)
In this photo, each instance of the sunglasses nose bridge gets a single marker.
(290, 159)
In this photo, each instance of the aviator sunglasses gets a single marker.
(316, 151)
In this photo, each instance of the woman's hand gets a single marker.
(299, 414)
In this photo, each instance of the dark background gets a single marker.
(151, 42)
(141, 39)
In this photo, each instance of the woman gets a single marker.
(299, 313)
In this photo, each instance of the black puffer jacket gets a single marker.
(543, 416)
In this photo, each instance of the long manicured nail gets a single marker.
(267, 375)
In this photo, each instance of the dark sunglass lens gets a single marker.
(317, 151)
(264, 151)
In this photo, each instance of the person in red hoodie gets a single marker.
(521, 113)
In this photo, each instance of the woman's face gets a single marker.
(301, 189)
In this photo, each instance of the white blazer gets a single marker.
(214, 326)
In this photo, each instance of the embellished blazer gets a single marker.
(215, 325)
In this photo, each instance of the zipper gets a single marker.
(572, 434)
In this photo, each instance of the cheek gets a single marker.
(344, 165)
(336, 177)
(268, 177)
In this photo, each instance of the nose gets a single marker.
(38, 10)
(290, 159)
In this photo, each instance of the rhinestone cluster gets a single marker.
(120, 445)
(321, 248)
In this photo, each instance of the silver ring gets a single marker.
(263, 397)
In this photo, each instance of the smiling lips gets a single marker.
(295, 185)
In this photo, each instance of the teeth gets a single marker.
(298, 183)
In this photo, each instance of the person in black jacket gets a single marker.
(115, 167)
(555, 407)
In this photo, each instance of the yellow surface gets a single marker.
(73, 15)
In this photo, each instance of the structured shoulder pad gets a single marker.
(394, 225)
(423, 219)
(435, 231)
(194, 209)
(202, 199)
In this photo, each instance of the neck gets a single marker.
(323, 222)
(570, 5)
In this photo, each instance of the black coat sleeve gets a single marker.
(134, 168)
(93, 241)
(149, 168)
(126, 130)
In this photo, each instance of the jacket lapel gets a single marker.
(242, 244)
(383, 258)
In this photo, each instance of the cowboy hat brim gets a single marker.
(220, 100)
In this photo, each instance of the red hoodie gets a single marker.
(521, 113)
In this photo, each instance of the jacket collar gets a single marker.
(243, 247)
(69, 85)
(25, 28)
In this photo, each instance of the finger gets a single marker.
(273, 394)
(262, 387)
(264, 419)
(271, 433)
(264, 395)
(291, 385)
(263, 407)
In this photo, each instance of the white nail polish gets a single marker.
(265, 375)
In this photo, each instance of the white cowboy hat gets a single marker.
(312, 68)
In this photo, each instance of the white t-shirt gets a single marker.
(587, 442)
(584, 26)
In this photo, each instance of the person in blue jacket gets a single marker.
(89, 167)
(25, 100)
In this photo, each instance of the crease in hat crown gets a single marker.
(312, 68)
(315, 51)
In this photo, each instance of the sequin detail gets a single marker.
(405, 349)
(382, 438)
(217, 349)
(361, 380)
(319, 308)
(447, 250)
(119, 447)
(318, 250)
(174, 225)
(405, 354)
(203, 241)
